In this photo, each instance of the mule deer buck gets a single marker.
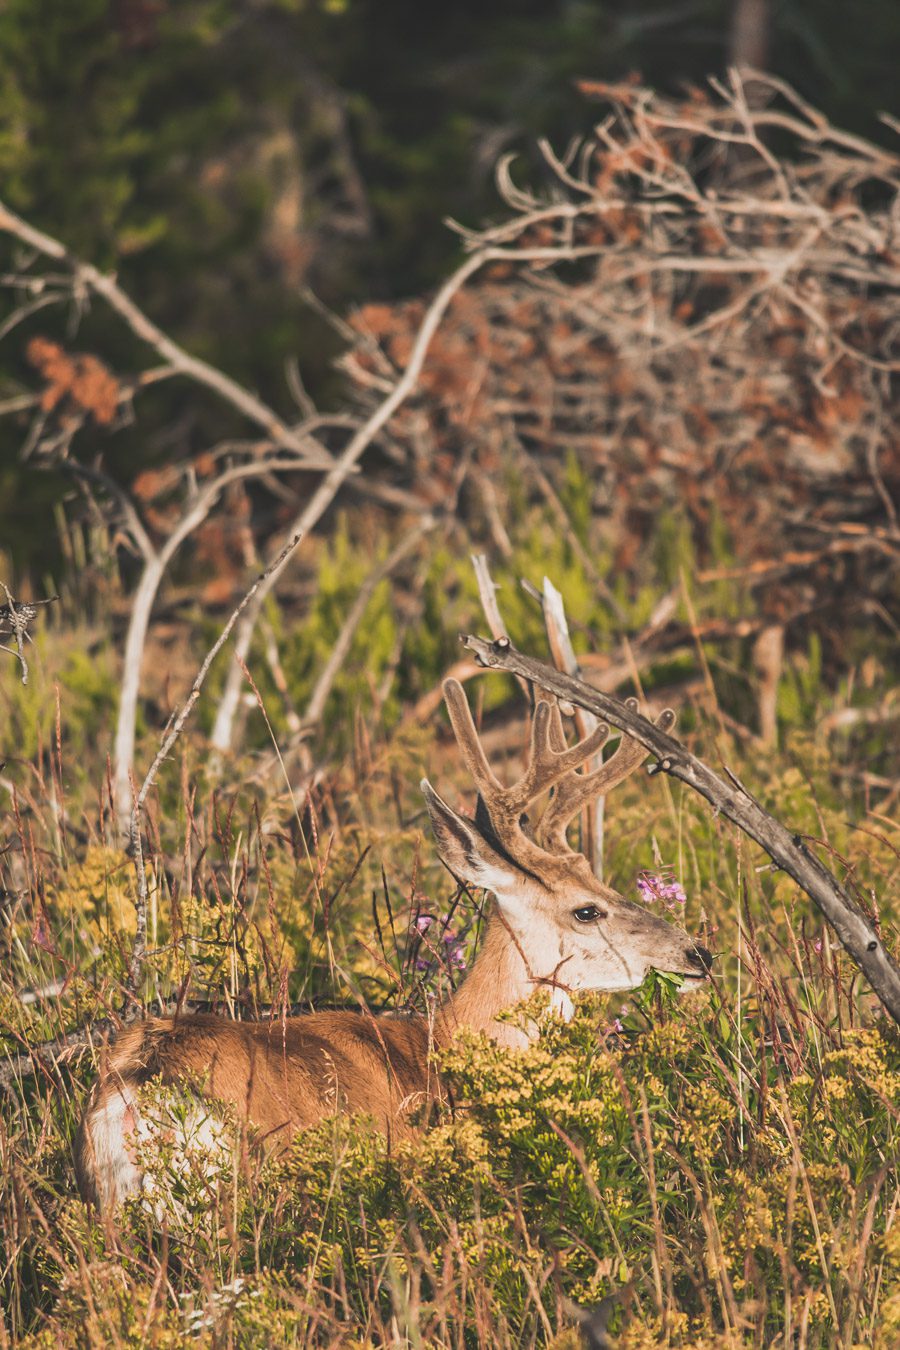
(554, 924)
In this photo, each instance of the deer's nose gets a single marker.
(700, 956)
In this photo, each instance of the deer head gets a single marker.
(572, 931)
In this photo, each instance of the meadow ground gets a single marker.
(725, 1163)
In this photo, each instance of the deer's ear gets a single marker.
(466, 850)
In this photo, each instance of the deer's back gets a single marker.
(281, 1076)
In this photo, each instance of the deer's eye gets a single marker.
(587, 913)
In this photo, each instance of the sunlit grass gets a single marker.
(725, 1162)
(728, 1160)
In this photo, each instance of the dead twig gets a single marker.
(675, 235)
(487, 593)
(327, 490)
(199, 501)
(173, 731)
(90, 279)
(564, 659)
(16, 616)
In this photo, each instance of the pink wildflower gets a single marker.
(663, 886)
(40, 935)
(454, 950)
(455, 954)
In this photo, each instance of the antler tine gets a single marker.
(546, 763)
(566, 760)
(467, 739)
(584, 748)
(540, 761)
(577, 790)
(557, 735)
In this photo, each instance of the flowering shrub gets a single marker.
(578, 1159)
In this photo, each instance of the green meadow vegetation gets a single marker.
(724, 1164)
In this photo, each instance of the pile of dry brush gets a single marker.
(701, 301)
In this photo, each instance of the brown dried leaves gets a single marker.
(74, 382)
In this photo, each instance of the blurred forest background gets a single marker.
(269, 182)
(652, 362)
(224, 157)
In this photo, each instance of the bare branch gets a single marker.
(487, 592)
(91, 279)
(327, 490)
(171, 735)
(15, 618)
(197, 508)
(564, 659)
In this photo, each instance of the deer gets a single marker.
(552, 925)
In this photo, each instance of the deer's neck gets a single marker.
(499, 979)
